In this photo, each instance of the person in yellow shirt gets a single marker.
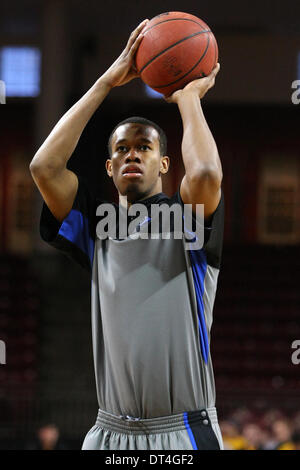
(232, 437)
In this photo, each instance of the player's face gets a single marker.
(135, 161)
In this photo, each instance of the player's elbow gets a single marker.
(38, 171)
(41, 169)
(208, 174)
(34, 167)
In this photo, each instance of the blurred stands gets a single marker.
(256, 319)
(19, 326)
(45, 324)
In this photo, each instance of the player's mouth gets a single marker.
(132, 171)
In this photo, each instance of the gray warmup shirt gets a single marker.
(151, 303)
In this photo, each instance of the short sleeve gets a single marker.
(75, 236)
(214, 244)
(213, 231)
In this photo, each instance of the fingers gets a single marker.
(211, 77)
(136, 44)
(215, 70)
(134, 35)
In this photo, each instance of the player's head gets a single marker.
(137, 144)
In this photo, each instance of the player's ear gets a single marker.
(108, 167)
(164, 164)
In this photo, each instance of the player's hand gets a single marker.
(197, 87)
(123, 69)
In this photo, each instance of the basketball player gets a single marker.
(152, 299)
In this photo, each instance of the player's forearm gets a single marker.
(199, 149)
(55, 152)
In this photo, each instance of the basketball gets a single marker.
(176, 49)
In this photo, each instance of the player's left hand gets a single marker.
(197, 87)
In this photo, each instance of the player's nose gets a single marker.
(133, 155)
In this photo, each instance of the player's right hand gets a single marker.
(123, 69)
(199, 87)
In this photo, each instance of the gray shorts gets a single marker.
(192, 430)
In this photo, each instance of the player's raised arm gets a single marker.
(203, 172)
(56, 183)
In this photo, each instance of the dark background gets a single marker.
(44, 297)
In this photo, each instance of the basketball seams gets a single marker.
(170, 47)
(194, 66)
(175, 19)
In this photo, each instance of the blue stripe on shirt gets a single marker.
(199, 267)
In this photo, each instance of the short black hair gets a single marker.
(144, 122)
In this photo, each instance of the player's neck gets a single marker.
(128, 199)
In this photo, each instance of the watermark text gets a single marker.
(296, 354)
(161, 221)
(2, 352)
(296, 94)
(2, 92)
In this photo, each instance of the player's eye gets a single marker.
(121, 148)
(144, 147)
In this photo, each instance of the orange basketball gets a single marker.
(176, 49)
